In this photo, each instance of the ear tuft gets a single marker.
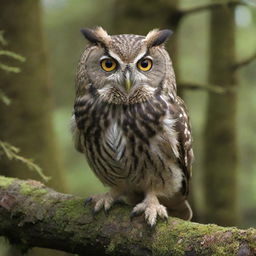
(89, 35)
(97, 35)
(157, 37)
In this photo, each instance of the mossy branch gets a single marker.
(34, 215)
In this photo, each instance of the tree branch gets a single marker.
(34, 215)
(206, 87)
(244, 62)
(211, 6)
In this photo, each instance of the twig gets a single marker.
(207, 87)
(4, 98)
(244, 62)
(12, 153)
(12, 55)
(2, 40)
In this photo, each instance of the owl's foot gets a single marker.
(152, 208)
(102, 201)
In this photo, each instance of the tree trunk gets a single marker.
(220, 160)
(27, 122)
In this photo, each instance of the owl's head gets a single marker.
(125, 68)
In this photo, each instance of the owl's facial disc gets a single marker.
(125, 68)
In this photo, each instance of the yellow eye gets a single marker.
(145, 64)
(108, 64)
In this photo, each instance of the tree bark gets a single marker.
(27, 121)
(34, 215)
(221, 157)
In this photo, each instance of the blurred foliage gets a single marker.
(12, 153)
(14, 56)
(10, 54)
(3, 97)
(62, 21)
(6, 149)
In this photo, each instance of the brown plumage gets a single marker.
(131, 125)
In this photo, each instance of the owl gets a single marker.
(131, 126)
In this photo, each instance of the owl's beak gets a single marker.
(127, 80)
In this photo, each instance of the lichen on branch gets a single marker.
(33, 215)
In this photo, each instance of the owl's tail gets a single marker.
(178, 207)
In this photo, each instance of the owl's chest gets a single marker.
(126, 137)
(126, 130)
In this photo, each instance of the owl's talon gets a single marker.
(151, 226)
(101, 202)
(106, 211)
(120, 201)
(134, 214)
(87, 201)
(94, 213)
(152, 209)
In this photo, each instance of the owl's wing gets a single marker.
(76, 135)
(183, 129)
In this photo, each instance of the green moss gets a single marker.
(71, 208)
(5, 182)
(252, 238)
(68, 210)
(202, 239)
(111, 247)
(167, 241)
(27, 189)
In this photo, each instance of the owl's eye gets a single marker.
(108, 64)
(145, 64)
